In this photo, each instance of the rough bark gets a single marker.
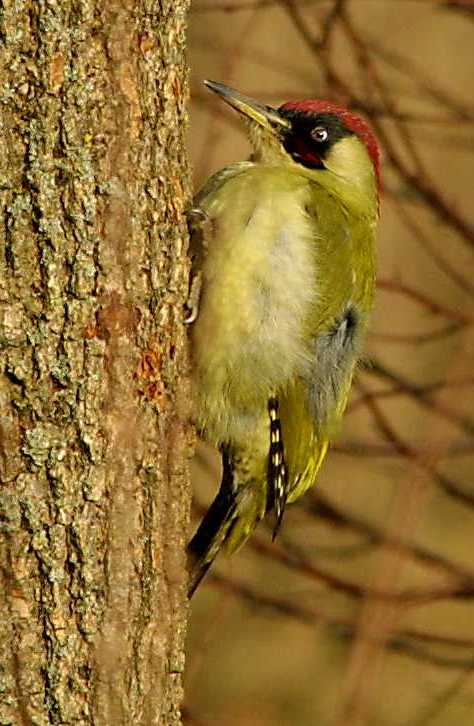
(94, 494)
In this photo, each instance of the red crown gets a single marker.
(350, 120)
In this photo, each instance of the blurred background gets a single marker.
(362, 611)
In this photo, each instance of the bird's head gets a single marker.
(313, 135)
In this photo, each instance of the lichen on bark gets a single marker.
(94, 494)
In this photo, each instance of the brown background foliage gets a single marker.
(362, 611)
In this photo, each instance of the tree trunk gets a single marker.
(94, 491)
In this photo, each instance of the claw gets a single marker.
(192, 303)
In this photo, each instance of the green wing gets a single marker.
(344, 267)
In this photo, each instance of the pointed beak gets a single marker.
(265, 116)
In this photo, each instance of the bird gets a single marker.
(283, 249)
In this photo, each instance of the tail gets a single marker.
(214, 528)
(277, 476)
(252, 485)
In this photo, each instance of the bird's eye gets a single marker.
(319, 134)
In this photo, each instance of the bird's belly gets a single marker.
(249, 336)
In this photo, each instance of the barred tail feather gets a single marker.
(254, 481)
(277, 469)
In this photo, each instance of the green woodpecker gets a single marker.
(283, 284)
